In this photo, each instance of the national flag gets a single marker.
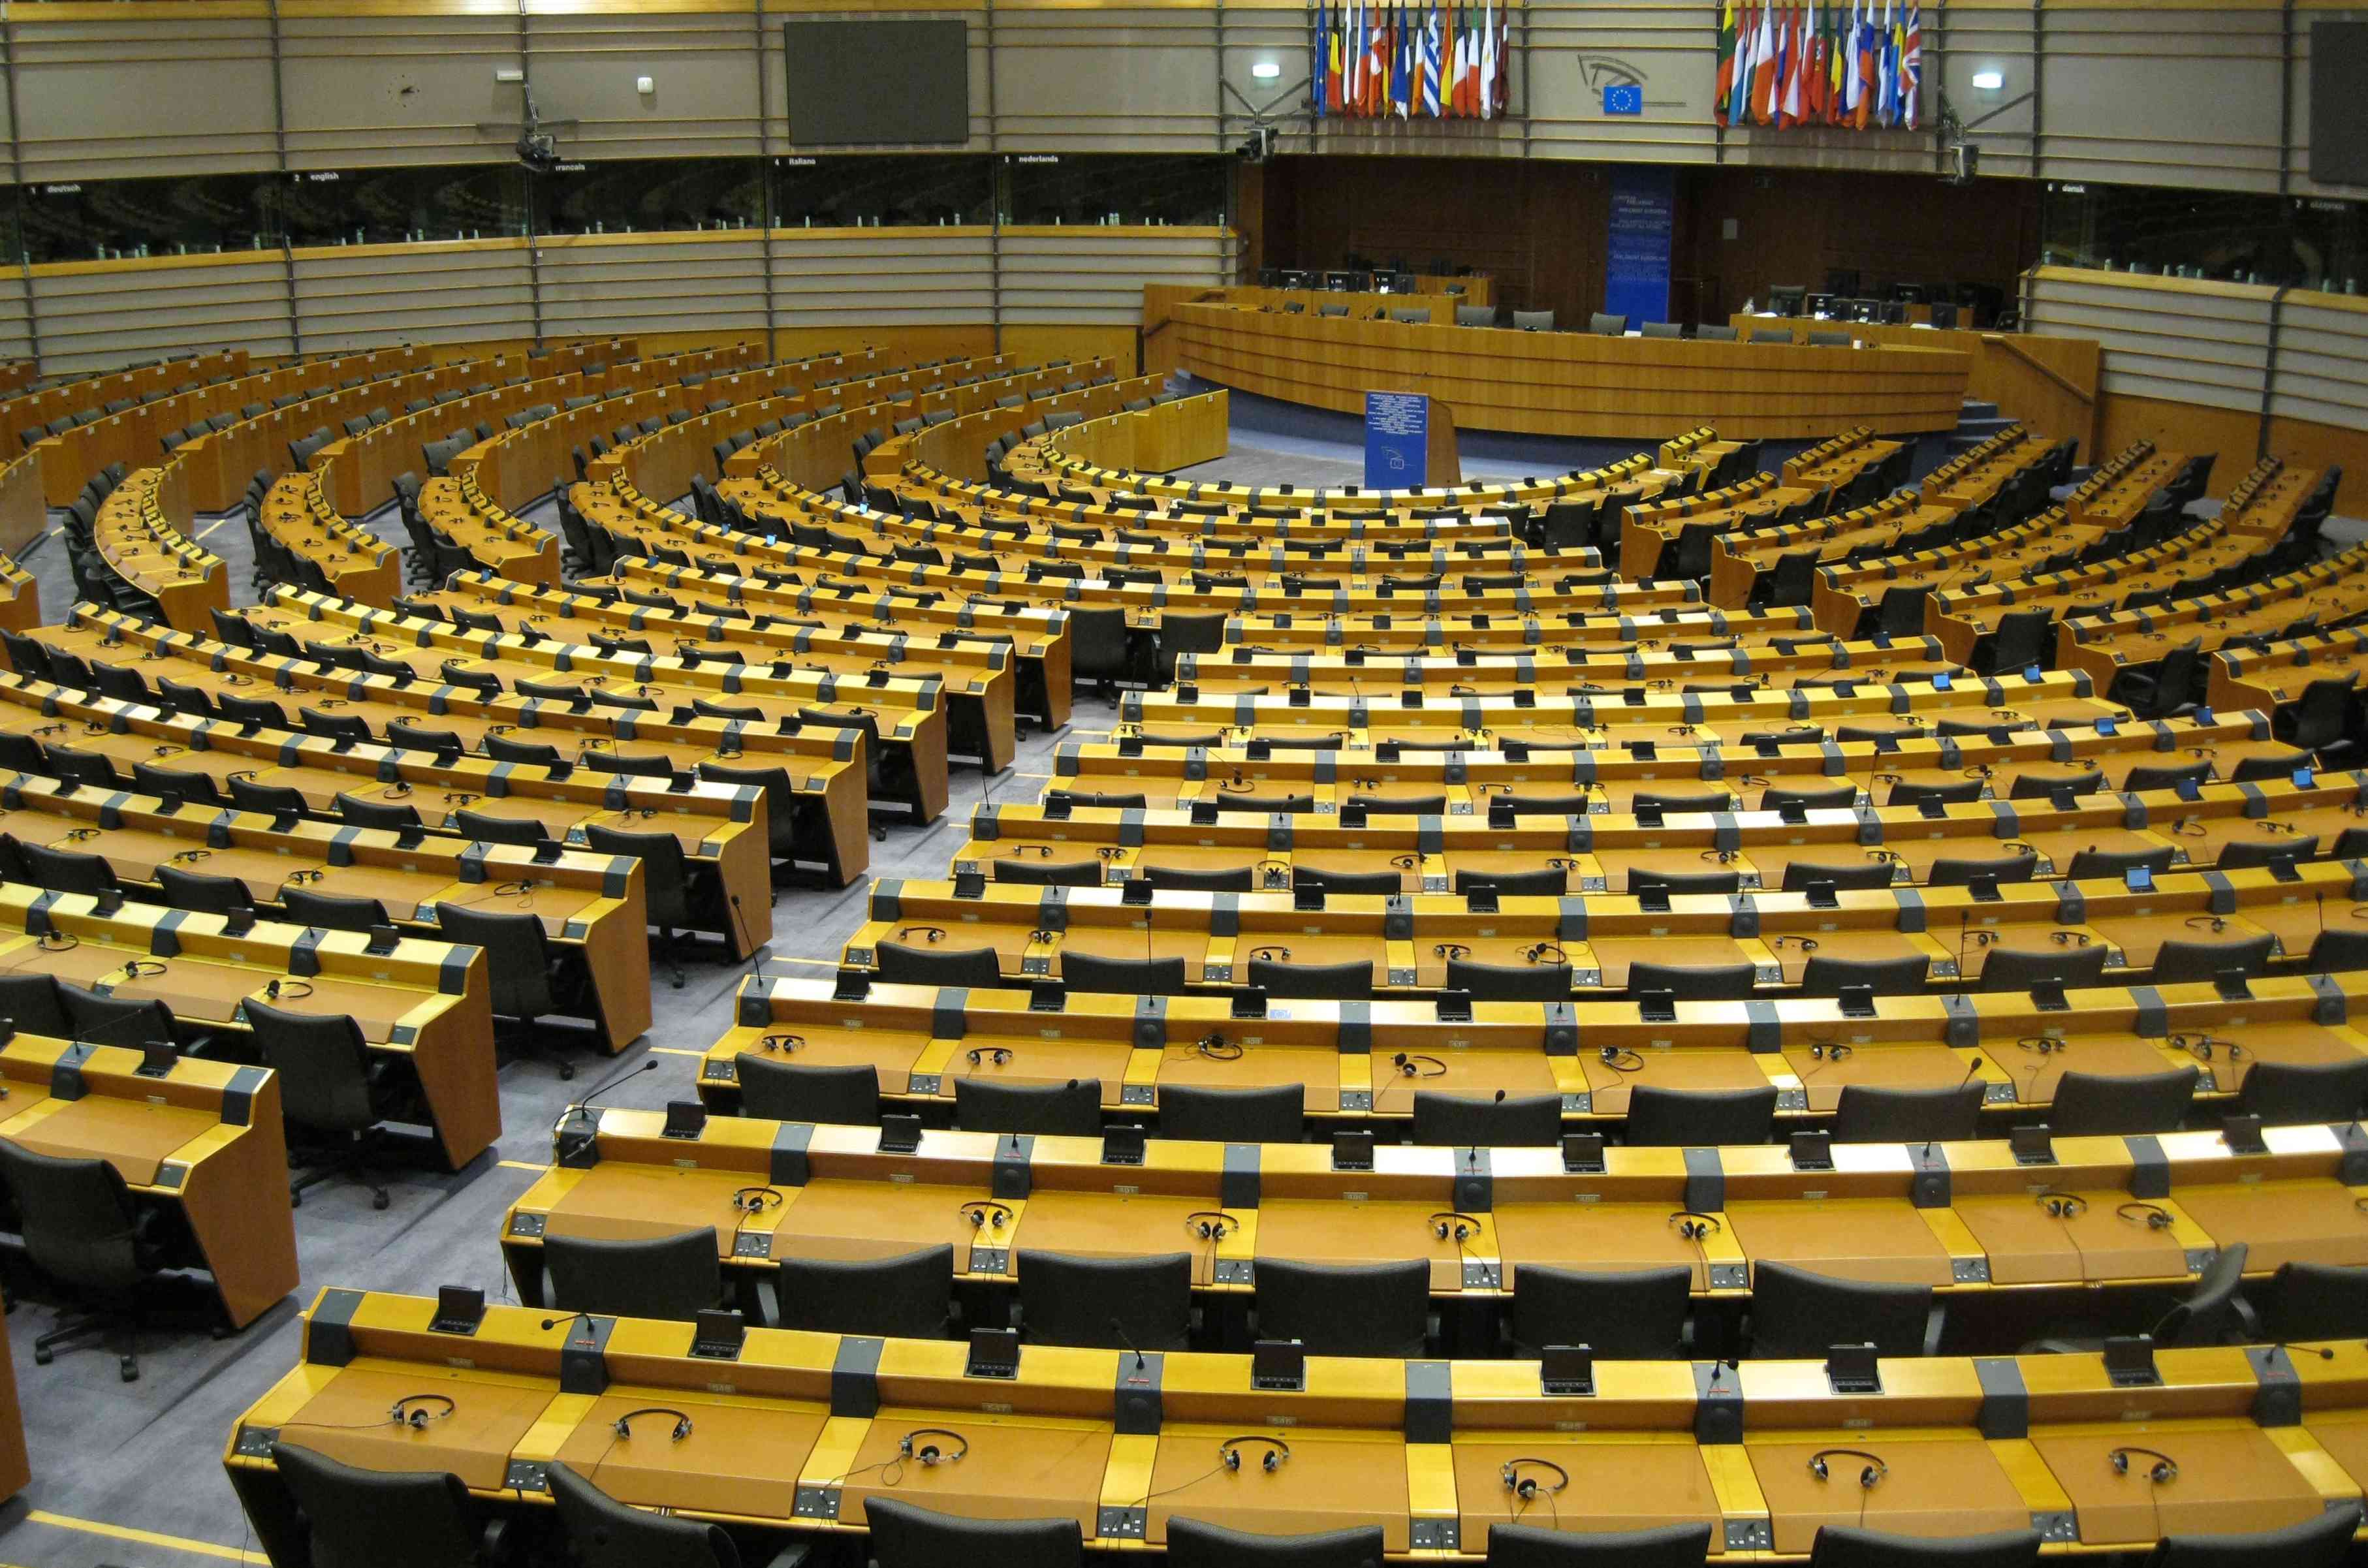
(1886, 69)
(1345, 57)
(1813, 66)
(1503, 58)
(1377, 63)
(1912, 63)
(1869, 79)
(1836, 39)
(1430, 63)
(1763, 69)
(1796, 66)
(1738, 106)
(1488, 59)
(1409, 54)
(1332, 86)
(1471, 62)
(1725, 62)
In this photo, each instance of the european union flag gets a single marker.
(1623, 97)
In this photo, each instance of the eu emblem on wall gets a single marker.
(1623, 97)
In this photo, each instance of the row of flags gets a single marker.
(1783, 65)
(1370, 59)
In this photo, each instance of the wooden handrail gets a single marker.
(2050, 371)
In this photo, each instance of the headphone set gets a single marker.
(1414, 1066)
(1450, 950)
(757, 1200)
(930, 1455)
(2154, 1216)
(784, 1043)
(1452, 1225)
(412, 1410)
(2042, 1044)
(1270, 955)
(142, 968)
(2162, 1473)
(1806, 944)
(984, 1214)
(2062, 1205)
(1210, 1224)
(1694, 1227)
(1621, 1058)
(1831, 1051)
(2069, 939)
(1874, 1474)
(2212, 923)
(1217, 1048)
(997, 1055)
(294, 990)
(1530, 1488)
(929, 934)
(1545, 953)
(1277, 1455)
(2201, 1045)
(623, 1424)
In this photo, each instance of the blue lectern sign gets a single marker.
(1397, 440)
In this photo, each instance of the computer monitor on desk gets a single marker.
(1786, 299)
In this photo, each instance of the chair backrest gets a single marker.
(2019, 968)
(1603, 325)
(324, 1066)
(2281, 1093)
(789, 1091)
(1192, 1543)
(673, 1276)
(1341, 982)
(1795, 1313)
(1269, 1114)
(1372, 1308)
(68, 870)
(332, 912)
(2176, 961)
(1827, 976)
(1659, 1118)
(114, 1021)
(1109, 1303)
(665, 875)
(2315, 1301)
(2209, 1310)
(2090, 1104)
(605, 1533)
(1533, 321)
(1870, 1113)
(350, 1510)
(1843, 1546)
(1527, 1546)
(77, 1217)
(1693, 982)
(517, 958)
(1466, 1120)
(905, 1296)
(903, 1536)
(32, 1002)
(1629, 1315)
(2321, 1542)
(1073, 1110)
(902, 964)
(390, 815)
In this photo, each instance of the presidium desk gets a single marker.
(1564, 384)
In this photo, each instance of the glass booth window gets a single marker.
(639, 196)
(1046, 189)
(886, 189)
(2294, 241)
(112, 219)
(399, 206)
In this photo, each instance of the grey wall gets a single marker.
(2214, 96)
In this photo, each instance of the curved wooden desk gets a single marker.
(1570, 384)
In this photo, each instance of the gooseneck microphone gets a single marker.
(574, 1139)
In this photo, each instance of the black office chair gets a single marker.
(1824, 977)
(1527, 1546)
(68, 870)
(82, 1228)
(518, 966)
(1073, 1110)
(2178, 961)
(1098, 649)
(1464, 1121)
(676, 1277)
(905, 1296)
(1841, 1546)
(900, 964)
(2315, 1300)
(1338, 982)
(1693, 982)
(1372, 1308)
(2321, 1542)
(1861, 875)
(1274, 1114)
(1659, 1118)
(328, 912)
(392, 816)
(32, 1002)
(1510, 982)
(1106, 1303)
(1808, 797)
(2088, 1104)
(196, 892)
(665, 884)
(480, 828)
(906, 1536)
(114, 1021)
(1180, 878)
(329, 1084)
(2281, 1093)
(1050, 873)
(1550, 882)
(1192, 1543)
(2214, 1310)
(1870, 1115)
(1124, 977)
(604, 1533)
(1796, 1313)
(351, 1515)
(787, 1091)
(1387, 884)
(2019, 968)
(1627, 1316)
(196, 789)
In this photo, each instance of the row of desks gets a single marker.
(1365, 1061)
(2325, 592)
(800, 1431)
(1739, 561)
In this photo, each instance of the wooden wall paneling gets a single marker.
(847, 279)
(654, 283)
(369, 91)
(94, 314)
(2163, 95)
(369, 296)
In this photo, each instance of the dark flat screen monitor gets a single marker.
(879, 83)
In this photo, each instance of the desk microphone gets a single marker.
(1964, 934)
(2321, 1351)
(756, 954)
(1128, 1340)
(649, 1064)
